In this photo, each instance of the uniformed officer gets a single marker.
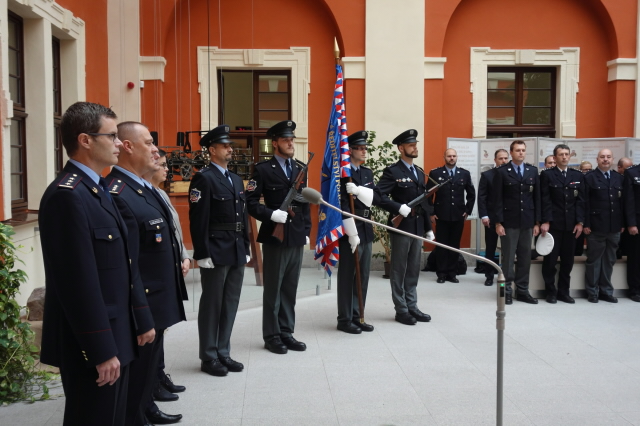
(156, 253)
(450, 211)
(631, 195)
(485, 206)
(562, 196)
(220, 235)
(88, 328)
(603, 224)
(516, 201)
(359, 235)
(403, 182)
(281, 260)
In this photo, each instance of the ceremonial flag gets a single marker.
(336, 165)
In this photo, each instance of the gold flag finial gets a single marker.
(336, 49)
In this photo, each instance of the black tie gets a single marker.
(564, 174)
(413, 171)
(451, 173)
(228, 176)
(606, 175)
(519, 173)
(105, 188)
(287, 167)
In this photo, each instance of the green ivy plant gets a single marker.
(379, 157)
(20, 380)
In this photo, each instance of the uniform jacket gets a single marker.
(90, 292)
(562, 198)
(604, 202)
(516, 200)
(269, 181)
(485, 204)
(176, 222)
(214, 201)
(631, 196)
(449, 201)
(365, 230)
(154, 249)
(401, 186)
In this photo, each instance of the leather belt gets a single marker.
(237, 226)
(363, 212)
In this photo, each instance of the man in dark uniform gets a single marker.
(562, 198)
(156, 252)
(450, 211)
(220, 235)
(603, 224)
(88, 329)
(403, 182)
(631, 195)
(516, 201)
(500, 157)
(281, 260)
(358, 235)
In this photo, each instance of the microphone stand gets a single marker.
(315, 197)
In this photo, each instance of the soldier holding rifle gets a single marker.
(282, 255)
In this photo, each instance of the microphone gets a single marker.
(311, 195)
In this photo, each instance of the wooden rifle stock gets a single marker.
(396, 220)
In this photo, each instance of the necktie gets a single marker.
(413, 172)
(228, 176)
(103, 185)
(451, 173)
(564, 174)
(519, 172)
(606, 175)
(287, 166)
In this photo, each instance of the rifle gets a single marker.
(398, 219)
(278, 230)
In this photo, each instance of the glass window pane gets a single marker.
(12, 33)
(536, 116)
(16, 160)
(16, 187)
(537, 80)
(273, 101)
(237, 99)
(14, 90)
(272, 83)
(14, 62)
(269, 118)
(266, 147)
(14, 132)
(501, 98)
(500, 116)
(536, 98)
(501, 80)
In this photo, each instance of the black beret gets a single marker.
(283, 129)
(218, 135)
(408, 136)
(358, 138)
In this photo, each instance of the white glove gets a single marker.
(352, 188)
(364, 194)
(350, 229)
(278, 216)
(405, 210)
(206, 263)
(248, 258)
(307, 243)
(430, 236)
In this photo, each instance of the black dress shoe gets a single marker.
(275, 345)
(349, 328)
(488, 282)
(420, 316)
(362, 325)
(508, 300)
(608, 298)
(161, 394)
(168, 384)
(593, 299)
(214, 368)
(635, 298)
(440, 280)
(293, 344)
(406, 318)
(160, 418)
(453, 280)
(566, 298)
(231, 364)
(526, 298)
(552, 299)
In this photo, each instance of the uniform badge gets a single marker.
(251, 186)
(195, 195)
(619, 194)
(158, 238)
(575, 193)
(95, 190)
(531, 189)
(155, 221)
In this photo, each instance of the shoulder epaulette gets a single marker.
(588, 172)
(529, 164)
(392, 165)
(204, 169)
(116, 186)
(365, 167)
(70, 181)
(263, 161)
(435, 168)
(461, 168)
(502, 165)
(615, 171)
(633, 167)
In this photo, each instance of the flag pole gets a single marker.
(356, 255)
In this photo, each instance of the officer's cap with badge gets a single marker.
(358, 138)
(283, 129)
(408, 136)
(218, 135)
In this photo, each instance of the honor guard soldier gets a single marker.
(403, 182)
(485, 206)
(631, 195)
(603, 224)
(358, 235)
(88, 329)
(563, 203)
(516, 201)
(450, 211)
(220, 235)
(156, 252)
(282, 260)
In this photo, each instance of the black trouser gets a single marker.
(564, 243)
(491, 243)
(348, 304)
(448, 232)
(633, 265)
